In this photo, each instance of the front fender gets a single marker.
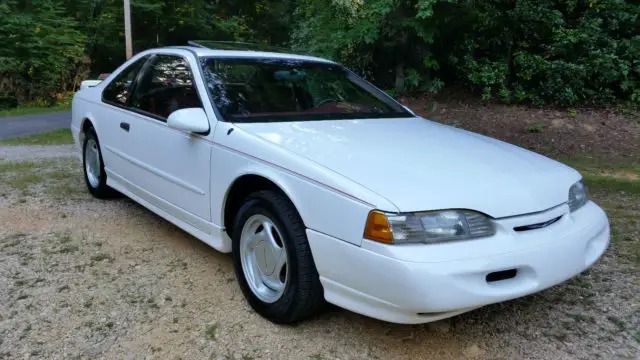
(321, 208)
(81, 112)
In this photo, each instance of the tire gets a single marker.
(96, 182)
(303, 295)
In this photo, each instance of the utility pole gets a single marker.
(127, 28)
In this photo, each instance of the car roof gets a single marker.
(206, 52)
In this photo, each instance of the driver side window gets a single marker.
(165, 86)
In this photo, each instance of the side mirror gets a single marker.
(189, 119)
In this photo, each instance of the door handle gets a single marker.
(124, 126)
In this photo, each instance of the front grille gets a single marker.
(538, 225)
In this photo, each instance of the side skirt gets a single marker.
(209, 233)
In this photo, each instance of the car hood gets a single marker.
(418, 164)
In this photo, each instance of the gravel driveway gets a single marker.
(82, 278)
(23, 153)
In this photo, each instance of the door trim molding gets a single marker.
(160, 173)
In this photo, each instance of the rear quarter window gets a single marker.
(119, 90)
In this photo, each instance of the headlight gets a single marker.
(427, 227)
(578, 196)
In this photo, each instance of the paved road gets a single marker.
(11, 126)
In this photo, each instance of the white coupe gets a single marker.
(325, 189)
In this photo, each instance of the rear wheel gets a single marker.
(273, 261)
(94, 175)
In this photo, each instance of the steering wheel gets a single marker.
(326, 101)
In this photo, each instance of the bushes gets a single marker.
(40, 51)
(561, 52)
(46, 46)
(565, 52)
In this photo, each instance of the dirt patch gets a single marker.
(609, 135)
(82, 278)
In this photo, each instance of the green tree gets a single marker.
(566, 52)
(40, 50)
(546, 51)
(373, 35)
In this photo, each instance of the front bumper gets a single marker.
(421, 283)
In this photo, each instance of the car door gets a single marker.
(167, 167)
(113, 113)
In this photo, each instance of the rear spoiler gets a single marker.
(90, 83)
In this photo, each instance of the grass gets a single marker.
(64, 238)
(623, 210)
(22, 181)
(27, 110)
(624, 230)
(101, 257)
(607, 176)
(612, 184)
(67, 249)
(615, 187)
(591, 164)
(56, 137)
(22, 166)
(21, 175)
(620, 325)
(60, 178)
(67, 192)
(534, 128)
(210, 332)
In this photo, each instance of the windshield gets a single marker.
(259, 90)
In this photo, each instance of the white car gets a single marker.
(325, 189)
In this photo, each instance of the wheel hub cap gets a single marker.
(264, 258)
(92, 162)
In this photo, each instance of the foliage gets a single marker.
(40, 47)
(48, 46)
(546, 51)
(561, 52)
(536, 128)
(375, 37)
(528, 51)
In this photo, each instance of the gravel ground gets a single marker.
(82, 278)
(35, 152)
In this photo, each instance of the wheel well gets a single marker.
(86, 125)
(240, 190)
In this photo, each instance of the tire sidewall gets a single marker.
(100, 190)
(281, 308)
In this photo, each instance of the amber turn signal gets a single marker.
(377, 228)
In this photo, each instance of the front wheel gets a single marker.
(273, 261)
(94, 175)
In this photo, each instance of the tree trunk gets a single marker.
(400, 57)
(399, 77)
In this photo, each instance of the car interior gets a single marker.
(165, 88)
